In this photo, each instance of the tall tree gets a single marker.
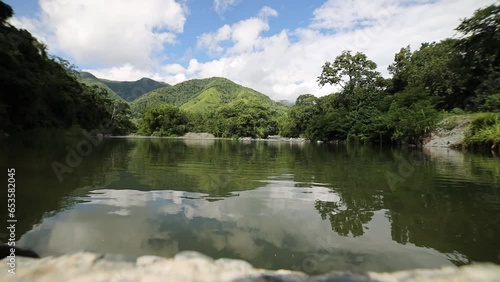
(350, 71)
(400, 69)
(481, 56)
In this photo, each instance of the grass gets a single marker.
(484, 131)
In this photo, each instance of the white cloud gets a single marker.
(211, 41)
(245, 34)
(221, 6)
(109, 32)
(287, 63)
(347, 15)
(267, 11)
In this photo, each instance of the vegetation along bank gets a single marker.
(457, 76)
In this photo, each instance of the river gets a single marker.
(308, 207)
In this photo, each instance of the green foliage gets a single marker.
(175, 95)
(411, 116)
(437, 77)
(218, 106)
(301, 115)
(491, 103)
(243, 120)
(436, 68)
(353, 114)
(201, 96)
(454, 75)
(457, 111)
(6, 12)
(462, 72)
(481, 38)
(350, 71)
(90, 80)
(484, 131)
(480, 55)
(400, 70)
(164, 120)
(131, 90)
(42, 91)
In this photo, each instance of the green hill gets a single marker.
(90, 80)
(131, 90)
(128, 90)
(201, 96)
(42, 91)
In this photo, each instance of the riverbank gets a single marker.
(449, 132)
(192, 266)
(209, 136)
(478, 131)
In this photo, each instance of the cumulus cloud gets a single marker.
(245, 34)
(221, 6)
(109, 32)
(211, 41)
(287, 63)
(267, 11)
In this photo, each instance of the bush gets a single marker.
(164, 120)
(484, 131)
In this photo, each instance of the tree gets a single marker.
(481, 38)
(164, 120)
(244, 119)
(411, 115)
(480, 55)
(305, 109)
(350, 71)
(6, 12)
(400, 69)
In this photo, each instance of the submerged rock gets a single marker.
(192, 266)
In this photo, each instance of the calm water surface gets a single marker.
(309, 207)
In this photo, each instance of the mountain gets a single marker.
(128, 90)
(201, 95)
(131, 90)
(90, 80)
(287, 103)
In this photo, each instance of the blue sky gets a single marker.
(276, 47)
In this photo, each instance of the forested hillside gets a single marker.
(200, 95)
(40, 90)
(127, 90)
(215, 105)
(454, 76)
(90, 80)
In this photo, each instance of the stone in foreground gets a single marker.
(192, 266)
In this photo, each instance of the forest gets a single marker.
(456, 76)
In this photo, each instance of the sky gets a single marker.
(276, 47)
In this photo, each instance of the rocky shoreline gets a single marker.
(193, 266)
(209, 136)
(449, 132)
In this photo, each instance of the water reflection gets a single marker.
(272, 227)
(310, 207)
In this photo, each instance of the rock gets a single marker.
(192, 266)
(450, 132)
(193, 135)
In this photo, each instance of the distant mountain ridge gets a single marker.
(90, 80)
(196, 95)
(201, 95)
(127, 90)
